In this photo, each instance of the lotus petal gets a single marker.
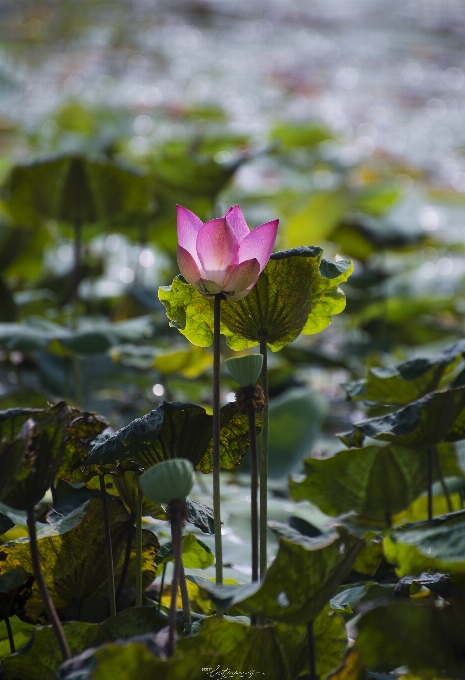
(259, 243)
(188, 266)
(217, 249)
(236, 221)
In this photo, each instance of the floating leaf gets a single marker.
(296, 136)
(418, 547)
(423, 423)
(407, 381)
(304, 575)
(376, 482)
(73, 555)
(429, 640)
(297, 292)
(173, 430)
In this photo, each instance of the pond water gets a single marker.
(386, 75)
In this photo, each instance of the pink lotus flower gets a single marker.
(223, 255)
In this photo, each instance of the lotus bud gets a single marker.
(245, 370)
(168, 481)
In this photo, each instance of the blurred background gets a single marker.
(344, 118)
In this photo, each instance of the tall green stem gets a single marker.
(254, 491)
(109, 550)
(430, 483)
(139, 549)
(442, 480)
(311, 651)
(186, 607)
(10, 634)
(49, 607)
(176, 536)
(162, 585)
(216, 441)
(76, 270)
(264, 462)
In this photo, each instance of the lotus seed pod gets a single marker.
(168, 481)
(245, 370)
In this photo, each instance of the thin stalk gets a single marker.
(216, 442)
(76, 270)
(127, 556)
(311, 651)
(162, 585)
(442, 480)
(139, 549)
(10, 634)
(430, 483)
(176, 532)
(110, 568)
(254, 491)
(77, 381)
(186, 607)
(254, 499)
(264, 462)
(49, 607)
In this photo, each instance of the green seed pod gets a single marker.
(245, 370)
(168, 481)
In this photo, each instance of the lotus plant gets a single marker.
(223, 259)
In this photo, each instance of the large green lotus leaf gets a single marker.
(41, 657)
(376, 482)
(174, 430)
(429, 640)
(419, 547)
(195, 553)
(73, 187)
(274, 651)
(423, 423)
(73, 558)
(279, 651)
(21, 634)
(297, 586)
(407, 381)
(188, 172)
(297, 292)
(45, 454)
(133, 659)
